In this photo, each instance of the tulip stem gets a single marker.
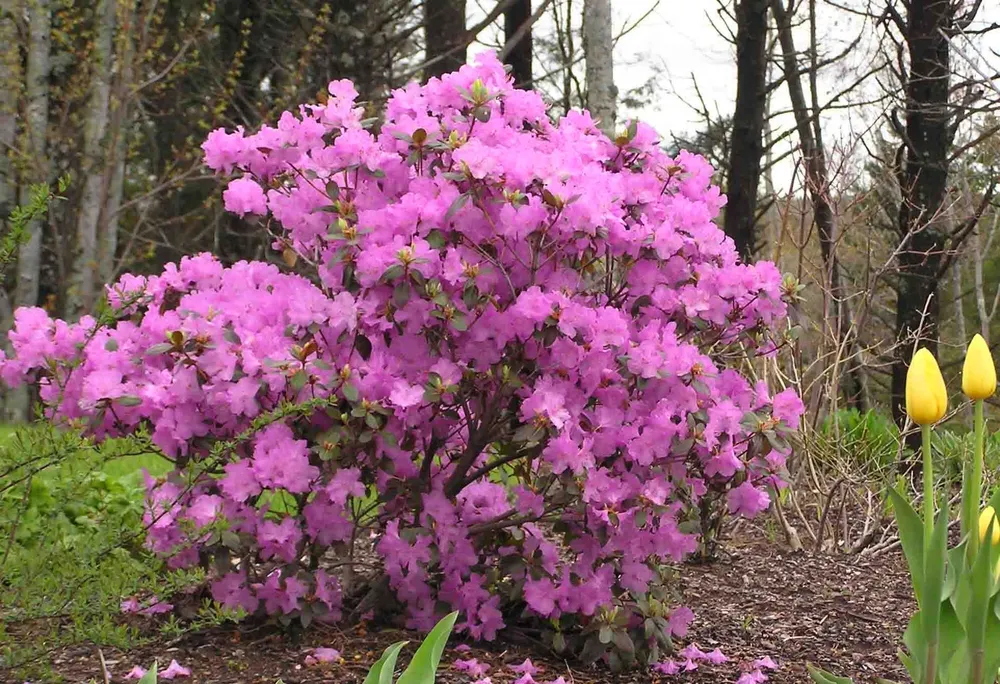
(976, 483)
(928, 487)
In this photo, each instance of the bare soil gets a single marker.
(846, 614)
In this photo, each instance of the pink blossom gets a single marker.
(245, 196)
(679, 620)
(747, 500)
(136, 672)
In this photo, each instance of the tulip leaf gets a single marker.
(934, 577)
(991, 662)
(911, 665)
(913, 639)
(149, 677)
(911, 536)
(824, 677)
(995, 500)
(383, 669)
(951, 636)
(425, 661)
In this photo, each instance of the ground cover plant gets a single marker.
(506, 368)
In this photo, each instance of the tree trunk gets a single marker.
(36, 123)
(36, 170)
(107, 239)
(924, 182)
(747, 148)
(82, 292)
(818, 183)
(520, 55)
(602, 95)
(10, 85)
(444, 36)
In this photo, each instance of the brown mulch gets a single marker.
(843, 613)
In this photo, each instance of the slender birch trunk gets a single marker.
(10, 85)
(602, 95)
(36, 170)
(107, 243)
(83, 290)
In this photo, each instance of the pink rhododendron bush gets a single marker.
(503, 366)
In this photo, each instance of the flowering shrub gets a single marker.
(513, 365)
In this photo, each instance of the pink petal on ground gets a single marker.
(136, 673)
(765, 662)
(527, 667)
(175, 670)
(130, 605)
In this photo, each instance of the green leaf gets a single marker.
(158, 349)
(459, 202)
(128, 400)
(111, 345)
(911, 536)
(934, 578)
(299, 380)
(393, 273)
(351, 393)
(623, 642)
(150, 676)
(383, 669)
(401, 294)
(824, 677)
(423, 667)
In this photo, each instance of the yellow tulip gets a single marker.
(926, 395)
(979, 375)
(985, 517)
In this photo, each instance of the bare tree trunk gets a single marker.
(36, 170)
(747, 145)
(82, 292)
(10, 82)
(818, 183)
(520, 55)
(956, 291)
(924, 177)
(36, 123)
(602, 96)
(444, 36)
(107, 239)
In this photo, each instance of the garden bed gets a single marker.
(846, 614)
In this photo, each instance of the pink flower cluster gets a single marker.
(518, 341)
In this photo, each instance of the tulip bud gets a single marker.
(985, 518)
(926, 395)
(979, 375)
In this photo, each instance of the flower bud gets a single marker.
(979, 375)
(989, 515)
(926, 395)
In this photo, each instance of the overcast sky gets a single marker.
(678, 38)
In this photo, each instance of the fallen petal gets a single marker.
(175, 670)
(136, 673)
